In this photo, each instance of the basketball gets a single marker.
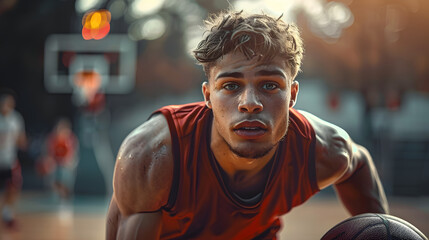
(371, 226)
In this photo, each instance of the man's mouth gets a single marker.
(250, 129)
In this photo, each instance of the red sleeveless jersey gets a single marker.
(200, 206)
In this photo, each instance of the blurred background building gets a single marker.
(366, 68)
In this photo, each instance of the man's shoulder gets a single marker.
(323, 129)
(148, 144)
(144, 167)
(333, 149)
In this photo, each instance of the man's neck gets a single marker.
(242, 174)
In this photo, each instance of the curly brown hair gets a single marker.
(253, 35)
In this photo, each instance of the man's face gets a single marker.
(250, 102)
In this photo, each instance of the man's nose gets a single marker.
(250, 102)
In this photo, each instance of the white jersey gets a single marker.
(11, 126)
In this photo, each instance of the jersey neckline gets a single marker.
(273, 172)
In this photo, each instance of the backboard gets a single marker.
(113, 58)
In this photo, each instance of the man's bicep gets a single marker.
(360, 189)
(358, 157)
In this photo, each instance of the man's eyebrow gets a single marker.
(259, 73)
(230, 75)
(270, 73)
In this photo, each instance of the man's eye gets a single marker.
(231, 86)
(269, 86)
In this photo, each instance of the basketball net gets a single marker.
(86, 84)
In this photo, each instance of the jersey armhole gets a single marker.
(310, 135)
(176, 157)
(312, 162)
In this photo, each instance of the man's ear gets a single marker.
(294, 89)
(206, 94)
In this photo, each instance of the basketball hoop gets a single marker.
(112, 57)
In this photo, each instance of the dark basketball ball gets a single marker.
(371, 226)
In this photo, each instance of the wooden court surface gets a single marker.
(42, 218)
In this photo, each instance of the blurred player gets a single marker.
(229, 167)
(12, 137)
(60, 160)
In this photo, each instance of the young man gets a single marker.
(228, 167)
(12, 137)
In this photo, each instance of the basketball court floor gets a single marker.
(41, 217)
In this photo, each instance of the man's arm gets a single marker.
(347, 166)
(135, 226)
(360, 188)
(21, 140)
(141, 183)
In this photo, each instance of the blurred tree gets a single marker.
(382, 54)
(382, 51)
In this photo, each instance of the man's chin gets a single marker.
(251, 152)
